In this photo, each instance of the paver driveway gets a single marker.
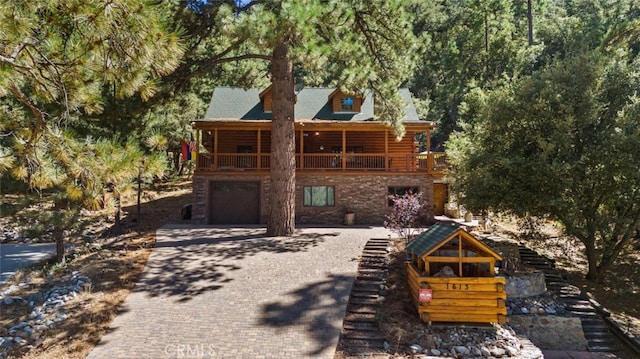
(233, 293)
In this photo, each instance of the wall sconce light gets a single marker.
(317, 133)
(321, 148)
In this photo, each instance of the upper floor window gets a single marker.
(346, 104)
(342, 102)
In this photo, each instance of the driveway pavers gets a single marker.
(233, 293)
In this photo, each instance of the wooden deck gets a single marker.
(433, 163)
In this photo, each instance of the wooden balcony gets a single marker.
(431, 163)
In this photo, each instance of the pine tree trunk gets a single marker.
(530, 21)
(58, 232)
(281, 221)
(593, 273)
(59, 237)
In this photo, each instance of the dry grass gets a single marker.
(113, 263)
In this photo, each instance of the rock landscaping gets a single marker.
(47, 309)
(498, 341)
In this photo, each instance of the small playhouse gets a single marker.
(452, 277)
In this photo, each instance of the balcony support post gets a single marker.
(259, 159)
(215, 148)
(386, 150)
(344, 149)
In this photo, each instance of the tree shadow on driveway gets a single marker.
(318, 307)
(187, 262)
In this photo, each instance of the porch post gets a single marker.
(386, 149)
(215, 148)
(198, 135)
(259, 164)
(429, 154)
(344, 149)
(301, 164)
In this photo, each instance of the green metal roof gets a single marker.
(311, 104)
(431, 238)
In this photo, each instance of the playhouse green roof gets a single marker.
(431, 238)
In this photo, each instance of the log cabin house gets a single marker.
(346, 162)
(451, 277)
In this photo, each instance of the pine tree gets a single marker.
(357, 44)
(58, 58)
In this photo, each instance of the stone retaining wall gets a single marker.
(523, 285)
(551, 332)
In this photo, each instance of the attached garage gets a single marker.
(233, 202)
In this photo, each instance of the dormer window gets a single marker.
(346, 104)
(343, 102)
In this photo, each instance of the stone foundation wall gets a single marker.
(364, 194)
(199, 199)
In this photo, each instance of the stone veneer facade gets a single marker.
(364, 194)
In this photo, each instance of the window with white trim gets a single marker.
(319, 196)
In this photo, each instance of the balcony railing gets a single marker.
(434, 163)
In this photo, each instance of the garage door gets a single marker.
(234, 203)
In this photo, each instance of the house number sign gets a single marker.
(425, 295)
(458, 286)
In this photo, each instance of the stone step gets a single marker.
(361, 334)
(373, 272)
(373, 265)
(360, 346)
(354, 325)
(366, 287)
(374, 281)
(374, 252)
(378, 240)
(364, 301)
(597, 334)
(367, 309)
(376, 246)
(580, 308)
(364, 294)
(601, 341)
(602, 348)
(593, 328)
(360, 317)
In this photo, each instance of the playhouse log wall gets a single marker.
(455, 299)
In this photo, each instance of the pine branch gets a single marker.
(38, 114)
